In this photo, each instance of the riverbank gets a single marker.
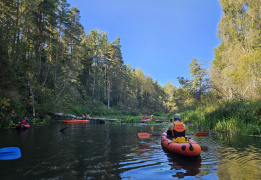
(242, 117)
(238, 116)
(107, 118)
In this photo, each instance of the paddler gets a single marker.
(179, 129)
(23, 120)
(83, 116)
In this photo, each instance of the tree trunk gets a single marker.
(32, 95)
(64, 86)
(108, 92)
(56, 56)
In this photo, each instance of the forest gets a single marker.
(49, 64)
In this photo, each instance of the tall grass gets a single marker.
(131, 119)
(240, 116)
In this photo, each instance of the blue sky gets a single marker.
(159, 36)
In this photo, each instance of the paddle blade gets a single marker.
(9, 153)
(144, 135)
(201, 134)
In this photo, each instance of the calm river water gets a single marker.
(114, 151)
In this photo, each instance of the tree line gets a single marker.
(49, 64)
(233, 101)
(236, 68)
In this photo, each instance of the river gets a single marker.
(114, 151)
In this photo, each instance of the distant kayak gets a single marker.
(20, 126)
(75, 121)
(145, 120)
(189, 148)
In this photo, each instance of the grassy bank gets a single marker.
(127, 116)
(240, 116)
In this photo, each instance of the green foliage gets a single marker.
(37, 121)
(252, 129)
(170, 93)
(225, 125)
(47, 118)
(131, 119)
(56, 67)
(155, 114)
(4, 106)
(114, 122)
(11, 123)
(49, 64)
(240, 116)
(236, 66)
(4, 123)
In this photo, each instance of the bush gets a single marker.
(131, 119)
(252, 129)
(241, 116)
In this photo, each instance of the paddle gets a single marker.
(200, 134)
(147, 135)
(9, 153)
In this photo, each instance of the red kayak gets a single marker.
(75, 121)
(21, 126)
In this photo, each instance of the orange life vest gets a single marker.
(179, 129)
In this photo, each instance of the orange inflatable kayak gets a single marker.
(75, 121)
(190, 148)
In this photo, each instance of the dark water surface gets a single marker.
(113, 151)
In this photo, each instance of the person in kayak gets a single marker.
(83, 116)
(179, 129)
(23, 120)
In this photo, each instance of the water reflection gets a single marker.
(182, 165)
(23, 134)
(113, 151)
(237, 162)
(143, 149)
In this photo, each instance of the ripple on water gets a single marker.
(115, 152)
